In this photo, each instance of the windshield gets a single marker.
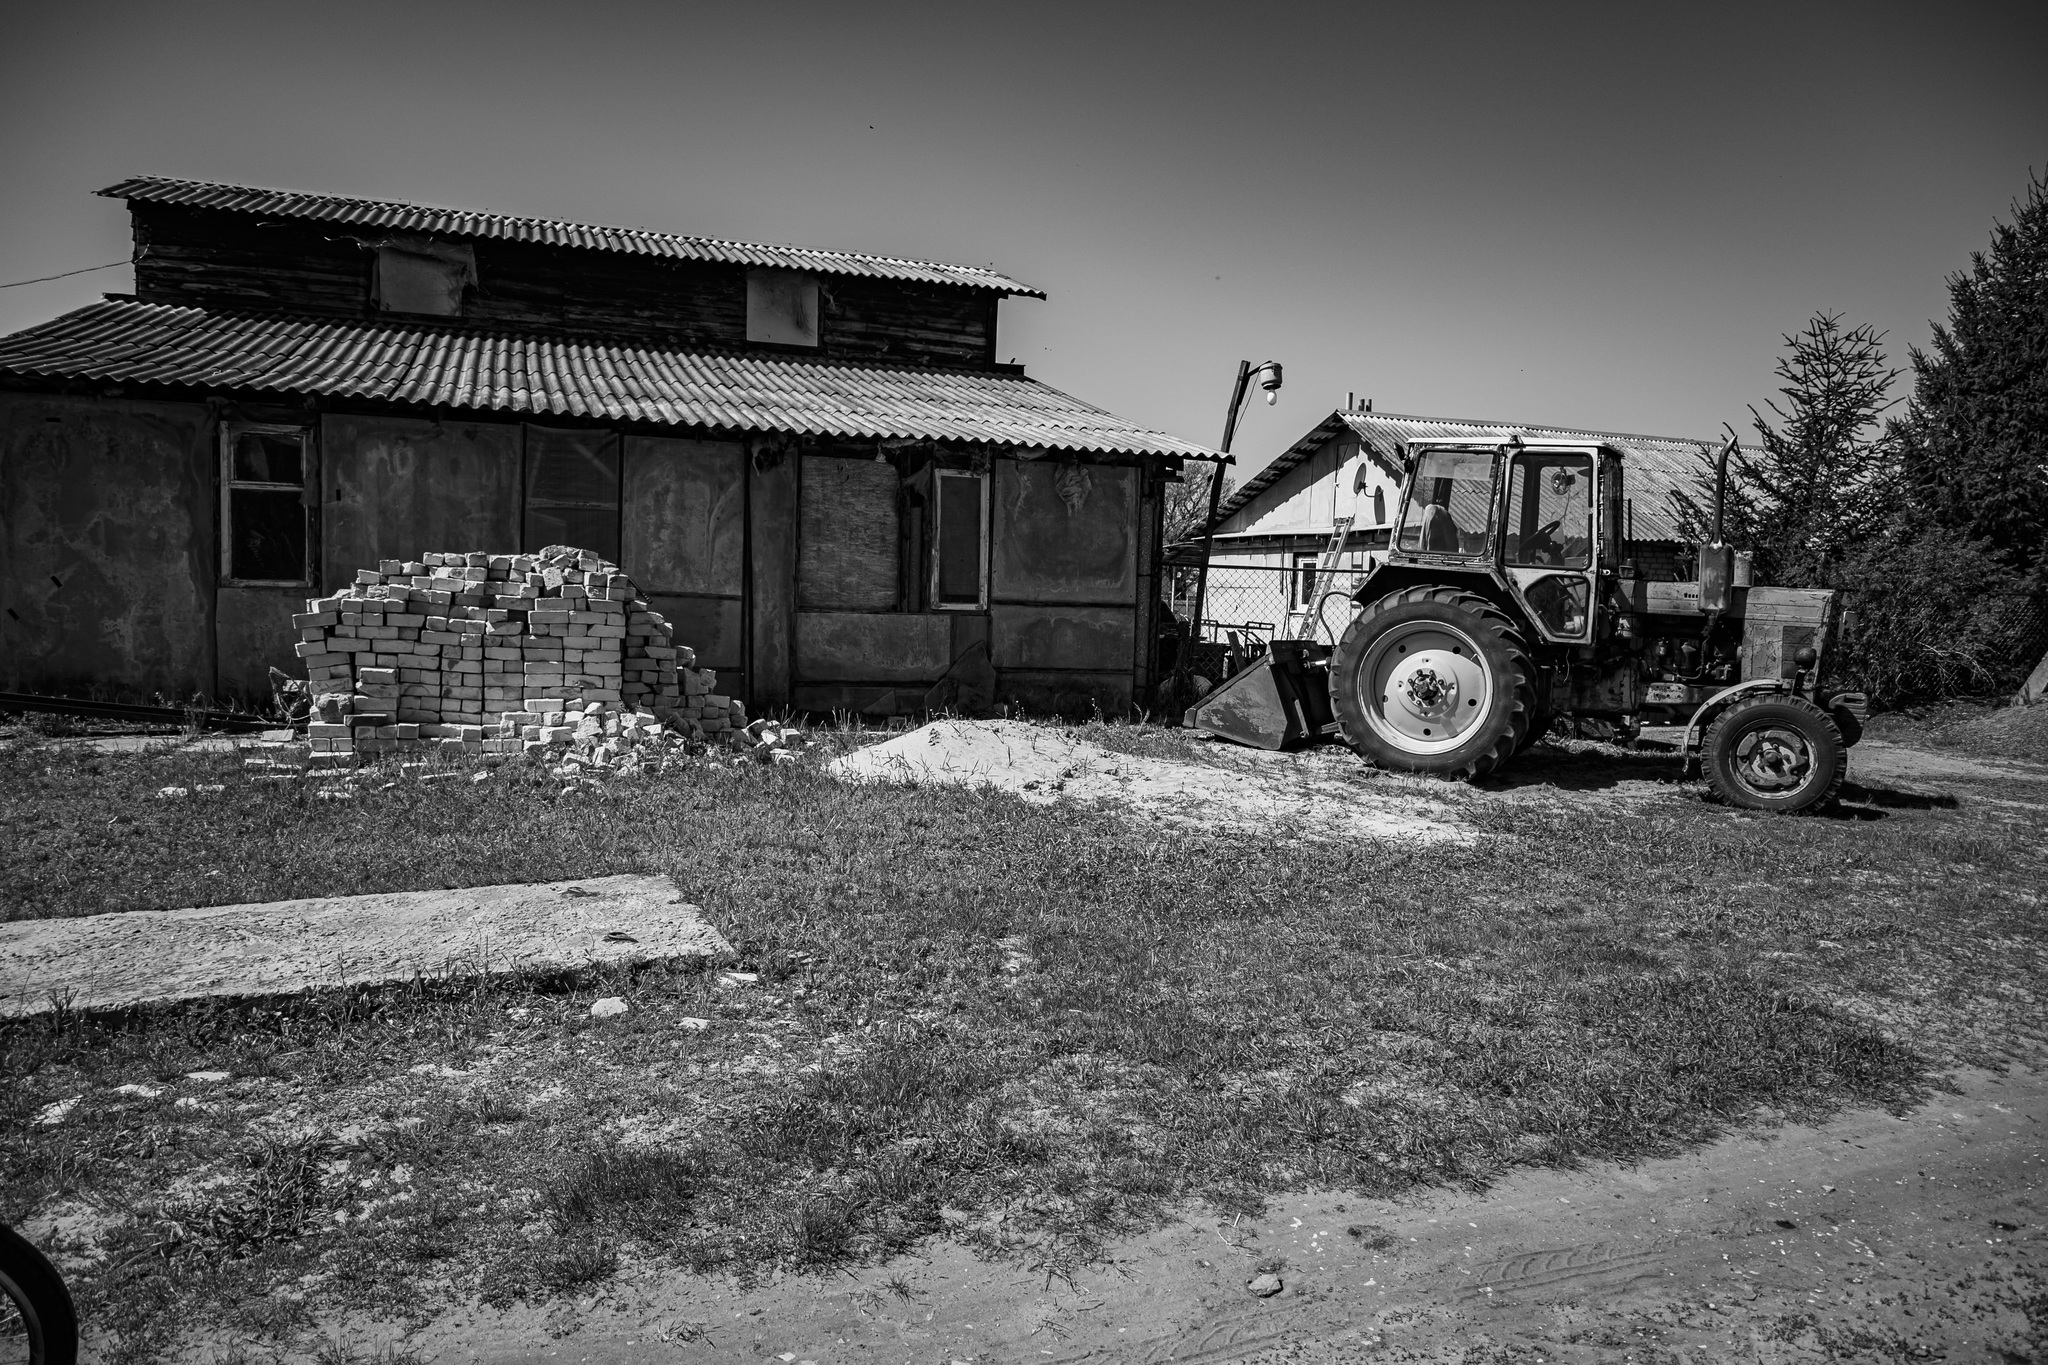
(1448, 510)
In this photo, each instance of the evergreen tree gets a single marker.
(1814, 487)
(1974, 439)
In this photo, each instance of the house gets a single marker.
(811, 461)
(1271, 532)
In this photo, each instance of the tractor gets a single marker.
(1509, 599)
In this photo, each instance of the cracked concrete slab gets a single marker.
(100, 962)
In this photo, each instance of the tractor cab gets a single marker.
(1543, 520)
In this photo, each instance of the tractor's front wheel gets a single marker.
(1433, 680)
(1775, 753)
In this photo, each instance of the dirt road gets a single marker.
(1870, 1238)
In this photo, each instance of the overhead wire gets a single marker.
(15, 284)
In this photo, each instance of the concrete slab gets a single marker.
(289, 947)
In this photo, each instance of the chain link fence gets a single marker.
(1900, 651)
(1247, 607)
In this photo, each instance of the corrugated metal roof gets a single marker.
(147, 343)
(1655, 466)
(422, 218)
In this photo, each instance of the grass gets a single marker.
(1194, 1018)
(1991, 730)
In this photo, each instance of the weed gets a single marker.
(645, 1191)
(573, 1265)
(1371, 1236)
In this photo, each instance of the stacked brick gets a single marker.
(497, 654)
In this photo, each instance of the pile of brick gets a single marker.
(496, 655)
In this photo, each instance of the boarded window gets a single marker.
(266, 534)
(572, 490)
(848, 553)
(959, 561)
(782, 308)
(423, 277)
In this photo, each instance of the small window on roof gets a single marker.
(422, 277)
(782, 307)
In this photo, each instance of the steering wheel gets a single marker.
(1541, 547)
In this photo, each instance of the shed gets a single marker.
(811, 461)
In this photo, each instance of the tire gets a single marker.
(1779, 754)
(38, 1325)
(1538, 728)
(1433, 680)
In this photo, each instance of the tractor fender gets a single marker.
(1718, 703)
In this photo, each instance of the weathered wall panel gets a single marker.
(872, 647)
(1073, 695)
(397, 487)
(1064, 532)
(211, 258)
(253, 633)
(850, 546)
(771, 577)
(683, 520)
(1093, 638)
(713, 626)
(106, 544)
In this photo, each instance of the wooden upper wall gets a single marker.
(214, 259)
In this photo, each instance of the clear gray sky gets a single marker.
(1590, 215)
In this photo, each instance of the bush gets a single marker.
(1937, 615)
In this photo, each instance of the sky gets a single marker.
(1590, 215)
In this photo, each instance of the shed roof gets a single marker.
(1656, 466)
(126, 341)
(423, 218)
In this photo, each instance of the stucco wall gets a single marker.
(396, 487)
(1337, 480)
(1064, 532)
(106, 545)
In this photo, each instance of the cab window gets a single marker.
(1449, 499)
(1550, 512)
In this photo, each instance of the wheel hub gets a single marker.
(1424, 686)
(1773, 761)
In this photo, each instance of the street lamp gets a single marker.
(1269, 380)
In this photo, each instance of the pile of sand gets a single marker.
(1239, 790)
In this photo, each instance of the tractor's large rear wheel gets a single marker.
(1433, 680)
(1775, 753)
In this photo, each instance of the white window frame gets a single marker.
(1302, 580)
(309, 476)
(939, 540)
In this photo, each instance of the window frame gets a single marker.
(309, 478)
(1303, 579)
(1488, 551)
(938, 533)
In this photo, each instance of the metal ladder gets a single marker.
(1312, 600)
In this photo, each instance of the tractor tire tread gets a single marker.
(1522, 703)
(1710, 747)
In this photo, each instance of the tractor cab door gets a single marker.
(1549, 545)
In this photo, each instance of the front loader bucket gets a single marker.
(1279, 702)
